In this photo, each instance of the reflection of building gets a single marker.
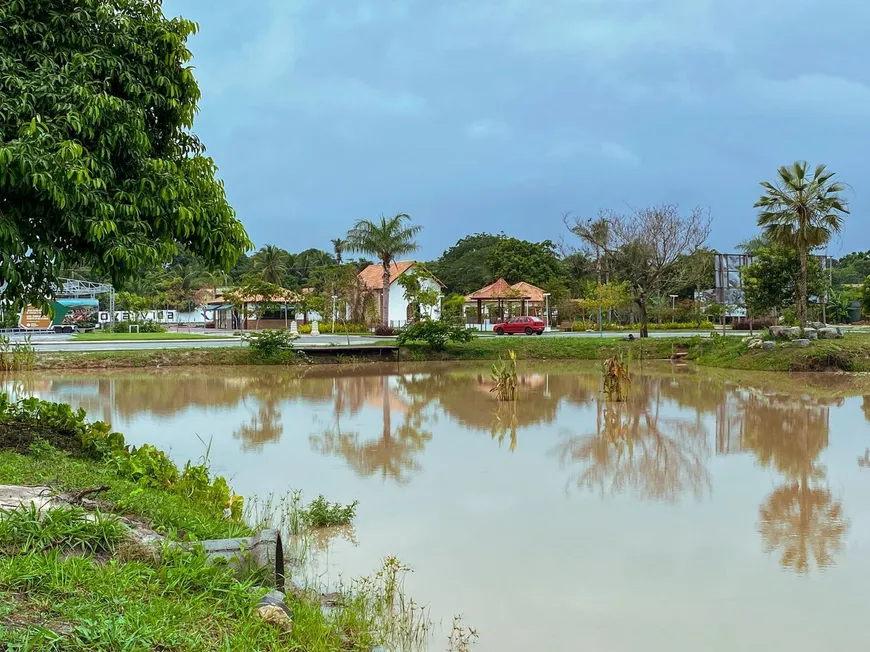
(729, 425)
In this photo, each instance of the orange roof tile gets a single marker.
(372, 276)
(531, 292)
(498, 290)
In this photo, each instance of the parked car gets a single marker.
(527, 325)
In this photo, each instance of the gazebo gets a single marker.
(501, 293)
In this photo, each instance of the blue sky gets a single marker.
(500, 115)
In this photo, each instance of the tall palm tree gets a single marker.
(338, 245)
(386, 239)
(802, 211)
(271, 263)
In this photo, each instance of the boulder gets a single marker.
(831, 333)
(815, 324)
(777, 331)
(802, 343)
(769, 345)
(793, 332)
(811, 333)
(272, 609)
(755, 343)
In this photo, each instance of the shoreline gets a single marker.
(851, 354)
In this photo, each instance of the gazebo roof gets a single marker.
(498, 290)
(531, 292)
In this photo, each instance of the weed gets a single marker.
(321, 513)
(16, 356)
(461, 638)
(617, 380)
(504, 377)
(27, 530)
(40, 449)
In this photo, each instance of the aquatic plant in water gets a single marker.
(504, 375)
(617, 380)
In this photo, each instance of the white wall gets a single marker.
(399, 304)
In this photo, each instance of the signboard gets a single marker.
(159, 316)
(33, 317)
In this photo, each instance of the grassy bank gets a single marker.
(70, 580)
(849, 354)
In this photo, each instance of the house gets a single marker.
(400, 309)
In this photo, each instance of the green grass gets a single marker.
(851, 353)
(553, 348)
(113, 337)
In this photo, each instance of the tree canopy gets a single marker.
(98, 164)
(517, 260)
(771, 281)
(463, 268)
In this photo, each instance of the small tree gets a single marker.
(419, 293)
(254, 290)
(645, 247)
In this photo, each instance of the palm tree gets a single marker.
(338, 245)
(386, 239)
(271, 263)
(803, 212)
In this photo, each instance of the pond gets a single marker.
(710, 511)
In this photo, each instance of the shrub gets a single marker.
(385, 330)
(145, 326)
(270, 343)
(669, 326)
(322, 513)
(340, 327)
(757, 324)
(435, 333)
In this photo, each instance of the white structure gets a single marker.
(400, 310)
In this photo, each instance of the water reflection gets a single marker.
(800, 519)
(656, 446)
(636, 447)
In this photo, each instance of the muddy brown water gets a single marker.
(711, 511)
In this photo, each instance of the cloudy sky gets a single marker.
(501, 115)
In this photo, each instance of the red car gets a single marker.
(527, 325)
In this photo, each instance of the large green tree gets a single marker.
(387, 239)
(464, 267)
(272, 263)
(533, 262)
(802, 210)
(771, 282)
(98, 164)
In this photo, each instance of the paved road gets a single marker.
(66, 343)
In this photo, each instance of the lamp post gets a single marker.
(334, 299)
(674, 306)
(547, 309)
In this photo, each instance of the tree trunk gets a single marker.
(641, 304)
(802, 290)
(385, 387)
(385, 294)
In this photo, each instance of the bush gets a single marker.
(147, 326)
(435, 333)
(270, 343)
(757, 324)
(340, 327)
(385, 330)
(670, 326)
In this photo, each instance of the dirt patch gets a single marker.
(23, 612)
(18, 436)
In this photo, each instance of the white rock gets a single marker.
(802, 343)
(769, 345)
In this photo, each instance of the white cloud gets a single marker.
(619, 153)
(488, 129)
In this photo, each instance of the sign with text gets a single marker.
(33, 317)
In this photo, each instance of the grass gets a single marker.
(113, 337)
(851, 353)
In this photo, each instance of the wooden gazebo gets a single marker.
(499, 292)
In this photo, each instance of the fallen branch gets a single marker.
(77, 498)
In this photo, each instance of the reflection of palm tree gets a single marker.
(264, 427)
(799, 517)
(393, 454)
(803, 522)
(634, 447)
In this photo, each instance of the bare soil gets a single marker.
(17, 436)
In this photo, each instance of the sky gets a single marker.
(503, 115)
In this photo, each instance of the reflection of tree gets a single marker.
(265, 426)
(392, 454)
(800, 517)
(802, 522)
(635, 447)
